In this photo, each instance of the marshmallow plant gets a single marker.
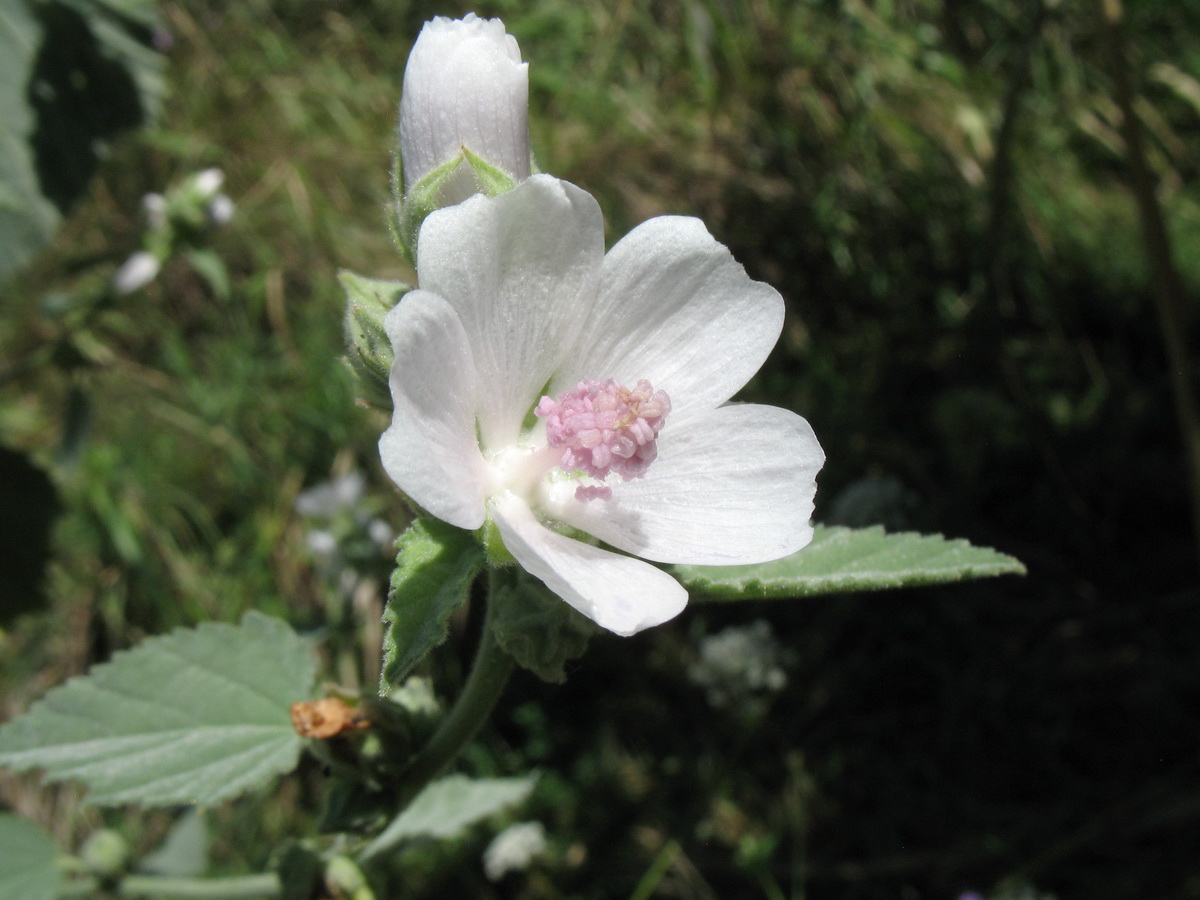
(562, 425)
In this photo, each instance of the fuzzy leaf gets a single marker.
(536, 628)
(194, 716)
(447, 806)
(840, 560)
(434, 570)
(27, 861)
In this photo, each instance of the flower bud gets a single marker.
(368, 350)
(106, 853)
(465, 89)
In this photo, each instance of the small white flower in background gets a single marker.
(220, 211)
(513, 849)
(321, 542)
(739, 662)
(329, 498)
(154, 205)
(207, 182)
(560, 393)
(136, 272)
(465, 87)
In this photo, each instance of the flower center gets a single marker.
(603, 428)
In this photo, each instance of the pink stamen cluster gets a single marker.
(604, 428)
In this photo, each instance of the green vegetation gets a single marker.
(944, 196)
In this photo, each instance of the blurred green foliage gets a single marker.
(939, 190)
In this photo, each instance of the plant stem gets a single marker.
(264, 885)
(489, 675)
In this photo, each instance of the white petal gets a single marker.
(734, 485)
(616, 592)
(430, 449)
(677, 309)
(521, 270)
(464, 86)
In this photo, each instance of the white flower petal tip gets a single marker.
(619, 593)
(676, 308)
(465, 86)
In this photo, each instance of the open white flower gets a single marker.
(564, 393)
(465, 88)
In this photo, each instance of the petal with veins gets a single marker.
(520, 270)
(676, 309)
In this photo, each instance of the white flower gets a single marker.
(207, 182)
(464, 87)
(513, 849)
(136, 272)
(220, 210)
(739, 662)
(518, 305)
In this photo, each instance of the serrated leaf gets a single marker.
(194, 716)
(840, 560)
(434, 570)
(535, 627)
(27, 861)
(447, 806)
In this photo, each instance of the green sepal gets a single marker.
(419, 202)
(426, 196)
(841, 560)
(368, 350)
(536, 627)
(491, 181)
(498, 555)
(434, 570)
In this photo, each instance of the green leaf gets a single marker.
(535, 627)
(191, 717)
(447, 806)
(434, 570)
(184, 851)
(850, 559)
(27, 861)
